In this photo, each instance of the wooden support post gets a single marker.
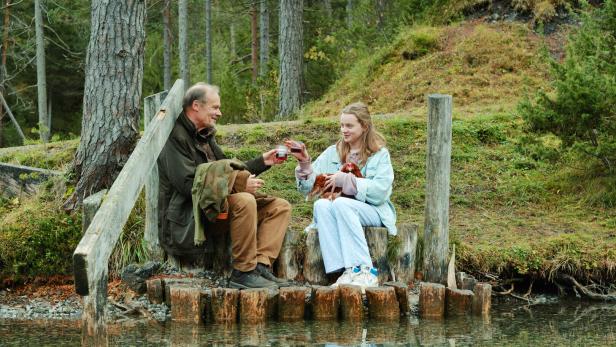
(253, 305)
(156, 290)
(431, 300)
(186, 304)
(91, 257)
(351, 302)
(404, 269)
(325, 303)
(90, 207)
(286, 264)
(291, 304)
(314, 270)
(151, 104)
(438, 163)
(382, 303)
(458, 302)
(377, 244)
(482, 301)
(402, 294)
(224, 305)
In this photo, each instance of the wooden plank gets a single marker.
(150, 105)
(90, 207)
(438, 165)
(91, 256)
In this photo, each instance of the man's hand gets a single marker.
(253, 184)
(270, 159)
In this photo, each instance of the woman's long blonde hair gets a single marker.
(372, 140)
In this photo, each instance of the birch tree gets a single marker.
(167, 45)
(44, 122)
(208, 40)
(112, 93)
(291, 55)
(183, 36)
(263, 38)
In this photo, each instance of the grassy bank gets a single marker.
(519, 205)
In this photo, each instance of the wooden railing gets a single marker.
(91, 257)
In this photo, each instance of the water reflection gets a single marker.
(575, 323)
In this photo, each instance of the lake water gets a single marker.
(564, 323)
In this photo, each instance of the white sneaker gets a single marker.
(367, 277)
(346, 277)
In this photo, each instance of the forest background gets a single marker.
(534, 91)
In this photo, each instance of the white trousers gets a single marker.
(341, 235)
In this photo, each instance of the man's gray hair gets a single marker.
(198, 91)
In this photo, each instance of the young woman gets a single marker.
(340, 222)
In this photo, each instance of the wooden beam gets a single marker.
(90, 259)
(150, 236)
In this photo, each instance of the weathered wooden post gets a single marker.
(224, 305)
(151, 104)
(438, 163)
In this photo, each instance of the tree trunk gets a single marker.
(183, 34)
(327, 5)
(291, 54)
(112, 93)
(40, 73)
(349, 13)
(5, 41)
(254, 39)
(381, 6)
(208, 41)
(233, 44)
(264, 38)
(167, 45)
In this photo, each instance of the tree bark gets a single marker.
(233, 42)
(208, 41)
(40, 73)
(291, 55)
(264, 38)
(183, 35)
(254, 40)
(167, 45)
(112, 93)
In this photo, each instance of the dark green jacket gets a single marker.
(177, 165)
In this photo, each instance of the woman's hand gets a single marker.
(302, 155)
(335, 180)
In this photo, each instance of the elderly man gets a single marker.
(256, 232)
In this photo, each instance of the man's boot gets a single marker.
(250, 279)
(266, 273)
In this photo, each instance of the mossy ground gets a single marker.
(518, 205)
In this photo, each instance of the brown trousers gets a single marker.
(256, 232)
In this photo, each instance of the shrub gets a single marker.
(581, 109)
